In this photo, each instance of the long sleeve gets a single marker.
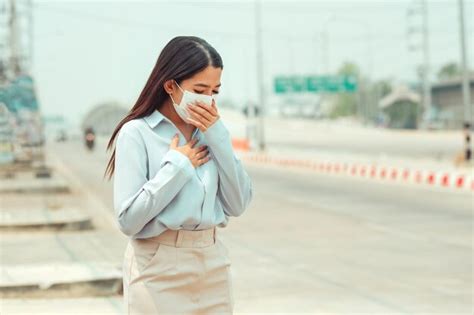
(136, 199)
(235, 185)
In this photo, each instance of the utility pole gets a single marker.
(3, 45)
(426, 59)
(325, 62)
(324, 38)
(17, 44)
(465, 71)
(260, 83)
(14, 39)
(425, 73)
(465, 85)
(30, 35)
(325, 50)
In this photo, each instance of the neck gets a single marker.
(169, 112)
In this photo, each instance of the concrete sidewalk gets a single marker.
(55, 243)
(41, 218)
(70, 264)
(34, 185)
(81, 306)
(60, 279)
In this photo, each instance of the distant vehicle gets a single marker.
(89, 138)
(310, 110)
(434, 119)
(289, 110)
(301, 110)
(61, 136)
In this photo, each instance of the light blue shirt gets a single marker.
(158, 188)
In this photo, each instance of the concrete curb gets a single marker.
(42, 219)
(59, 306)
(59, 280)
(34, 185)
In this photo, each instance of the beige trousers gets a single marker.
(178, 272)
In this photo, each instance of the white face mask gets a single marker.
(189, 97)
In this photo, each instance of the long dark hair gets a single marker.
(180, 59)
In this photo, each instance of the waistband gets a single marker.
(187, 238)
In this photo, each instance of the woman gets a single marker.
(176, 180)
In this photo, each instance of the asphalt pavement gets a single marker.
(334, 245)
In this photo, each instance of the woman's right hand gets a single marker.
(197, 156)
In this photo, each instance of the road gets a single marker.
(342, 138)
(335, 245)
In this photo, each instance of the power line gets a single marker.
(133, 23)
(268, 32)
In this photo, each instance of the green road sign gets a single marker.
(315, 84)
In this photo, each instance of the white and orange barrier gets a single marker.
(449, 178)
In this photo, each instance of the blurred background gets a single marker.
(353, 118)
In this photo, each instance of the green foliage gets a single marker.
(349, 68)
(382, 88)
(448, 71)
(346, 103)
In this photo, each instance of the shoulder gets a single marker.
(132, 129)
(134, 125)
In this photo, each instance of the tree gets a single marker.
(448, 71)
(349, 68)
(378, 90)
(346, 103)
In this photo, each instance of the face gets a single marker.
(207, 82)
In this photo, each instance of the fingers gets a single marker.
(204, 159)
(201, 111)
(202, 155)
(201, 151)
(201, 148)
(192, 142)
(174, 141)
(214, 108)
(199, 117)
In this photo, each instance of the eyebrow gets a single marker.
(205, 85)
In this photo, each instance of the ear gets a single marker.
(169, 86)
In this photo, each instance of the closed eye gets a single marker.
(200, 92)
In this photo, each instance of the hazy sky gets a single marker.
(87, 52)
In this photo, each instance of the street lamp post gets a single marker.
(465, 84)
(260, 83)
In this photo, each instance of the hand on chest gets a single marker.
(156, 150)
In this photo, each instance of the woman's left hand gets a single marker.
(202, 115)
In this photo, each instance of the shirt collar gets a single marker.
(154, 118)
